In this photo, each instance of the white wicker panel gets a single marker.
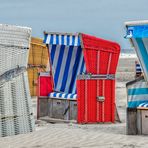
(12, 57)
(15, 107)
(14, 35)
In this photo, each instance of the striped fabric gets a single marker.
(143, 105)
(57, 39)
(138, 68)
(141, 46)
(67, 61)
(137, 94)
(62, 95)
(139, 37)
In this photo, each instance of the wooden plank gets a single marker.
(61, 33)
(117, 118)
(131, 121)
(53, 120)
(136, 23)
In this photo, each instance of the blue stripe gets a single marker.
(82, 67)
(54, 94)
(75, 68)
(134, 104)
(62, 39)
(66, 95)
(68, 40)
(73, 40)
(60, 95)
(79, 41)
(72, 95)
(143, 52)
(137, 91)
(57, 70)
(51, 39)
(52, 53)
(57, 39)
(67, 68)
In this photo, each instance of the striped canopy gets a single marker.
(67, 60)
(138, 35)
(137, 92)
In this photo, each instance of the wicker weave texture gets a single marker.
(15, 35)
(15, 107)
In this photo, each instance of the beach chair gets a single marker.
(75, 58)
(16, 116)
(137, 33)
(67, 62)
(137, 90)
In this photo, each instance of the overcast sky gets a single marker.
(102, 18)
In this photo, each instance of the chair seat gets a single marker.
(143, 105)
(62, 95)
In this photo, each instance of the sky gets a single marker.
(101, 18)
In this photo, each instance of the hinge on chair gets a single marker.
(97, 76)
(100, 98)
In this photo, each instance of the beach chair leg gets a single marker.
(117, 118)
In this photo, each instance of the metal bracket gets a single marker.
(100, 98)
(96, 77)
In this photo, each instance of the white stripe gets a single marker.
(145, 105)
(69, 96)
(65, 40)
(63, 65)
(54, 39)
(70, 40)
(72, 62)
(76, 41)
(109, 62)
(60, 39)
(55, 61)
(75, 96)
(57, 95)
(48, 39)
(63, 95)
(138, 98)
(141, 104)
(51, 94)
(138, 85)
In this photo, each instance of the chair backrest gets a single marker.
(137, 33)
(66, 59)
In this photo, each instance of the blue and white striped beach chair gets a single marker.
(67, 61)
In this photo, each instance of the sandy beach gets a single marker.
(70, 135)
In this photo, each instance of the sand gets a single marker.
(72, 135)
